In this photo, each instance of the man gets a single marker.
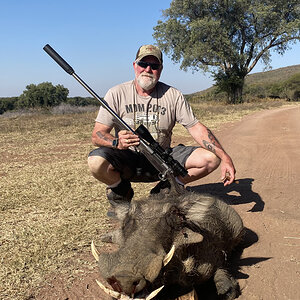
(157, 106)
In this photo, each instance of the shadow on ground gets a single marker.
(239, 192)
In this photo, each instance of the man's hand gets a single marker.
(127, 139)
(227, 171)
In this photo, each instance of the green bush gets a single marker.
(292, 86)
(8, 103)
(42, 95)
(81, 101)
(276, 90)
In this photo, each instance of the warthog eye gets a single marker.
(175, 218)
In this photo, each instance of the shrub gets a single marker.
(42, 95)
(81, 101)
(8, 103)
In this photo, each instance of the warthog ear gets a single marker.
(187, 236)
(197, 207)
(121, 211)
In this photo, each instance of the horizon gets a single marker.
(99, 40)
(251, 74)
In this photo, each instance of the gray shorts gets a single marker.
(134, 166)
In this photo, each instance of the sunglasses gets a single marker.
(144, 65)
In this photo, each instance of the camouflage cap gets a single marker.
(147, 50)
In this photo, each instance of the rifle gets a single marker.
(161, 159)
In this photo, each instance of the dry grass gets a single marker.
(50, 206)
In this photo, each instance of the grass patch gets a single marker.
(50, 206)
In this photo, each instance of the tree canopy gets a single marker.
(43, 95)
(227, 37)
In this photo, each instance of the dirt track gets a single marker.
(265, 148)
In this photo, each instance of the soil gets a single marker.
(265, 148)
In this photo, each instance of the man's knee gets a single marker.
(203, 159)
(97, 165)
(213, 161)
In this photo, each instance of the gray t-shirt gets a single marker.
(159, 112)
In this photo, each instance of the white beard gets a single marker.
(146, 82)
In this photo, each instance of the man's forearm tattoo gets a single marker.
(212, 143)
(101, 136)
(209, 146)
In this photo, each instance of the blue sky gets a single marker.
(98, 38)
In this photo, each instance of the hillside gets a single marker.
(256, 85)
(273, 76)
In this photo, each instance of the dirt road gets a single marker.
(265, 148)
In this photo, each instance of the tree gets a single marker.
(43, 95)
(227, 37)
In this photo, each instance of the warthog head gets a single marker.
(181, 241)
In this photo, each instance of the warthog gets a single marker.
(178, 242)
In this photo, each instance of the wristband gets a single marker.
(115, 143)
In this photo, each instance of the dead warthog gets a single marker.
(178, 242)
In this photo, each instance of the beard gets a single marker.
(146, 81)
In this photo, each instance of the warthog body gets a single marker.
(203, 229)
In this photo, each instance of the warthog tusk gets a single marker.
(120, 296)
(169, 256)
(154, 293)
(110, 292)
(95, 251)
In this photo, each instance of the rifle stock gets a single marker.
(167, 167)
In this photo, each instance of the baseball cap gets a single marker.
(146, 50)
